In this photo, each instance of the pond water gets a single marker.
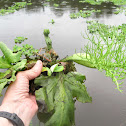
(109, 106)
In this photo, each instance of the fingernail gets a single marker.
(38, 62)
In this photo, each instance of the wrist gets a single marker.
(21, 110)
(4, 121)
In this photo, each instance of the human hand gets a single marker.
(17, 98)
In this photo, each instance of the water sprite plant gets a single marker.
(60, 85)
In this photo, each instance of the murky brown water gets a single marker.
(109, 106)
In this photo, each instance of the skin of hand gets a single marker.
(17, 98)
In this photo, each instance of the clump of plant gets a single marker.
(83, 14)
(52, 21)
(20, 39)
(13, 8)
(107, 50)
(60, 85)
(98, 2)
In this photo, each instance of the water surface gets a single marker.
(109, 106)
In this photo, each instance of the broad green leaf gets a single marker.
(10, 57)
(4, 81)
(4, 63)
(78, 90)
(58, 93)
(80, 58)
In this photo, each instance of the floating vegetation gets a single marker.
(20, 39)
(56, 5)
(52, 21)
(120, 10)
(12, 9)
(107, 50)
(83, 14)
(98, 2)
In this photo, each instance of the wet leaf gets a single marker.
(4, 63)
(80, 58)
(10, 57)
(58, 93)
(11, 72)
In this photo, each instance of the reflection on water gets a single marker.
(108, 107)
(64, 6)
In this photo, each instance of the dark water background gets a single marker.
(109, 105)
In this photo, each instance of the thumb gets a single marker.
(33, 72)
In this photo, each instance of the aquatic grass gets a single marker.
(13, 8)
(107, 50)
(83, 14)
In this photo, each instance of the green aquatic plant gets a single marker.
(59, 84)
(56, 5)
(13, 8)
(107, 50)
(52, 21)
(20, 39)
(120, 10)
(83, 14)
(98, 2)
